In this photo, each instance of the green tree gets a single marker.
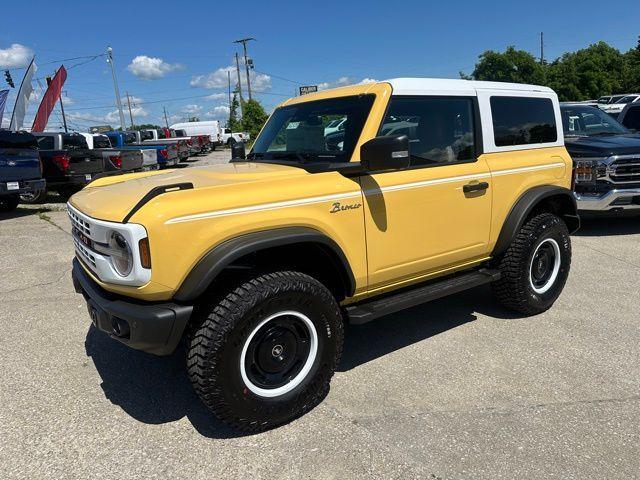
(254, 117)
(234, 122)
(513, 65)
(193, 119)
(631, 69)
(146, 126)
(587, 73)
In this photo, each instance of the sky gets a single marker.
(176, 54)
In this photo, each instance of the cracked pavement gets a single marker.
(458, 388)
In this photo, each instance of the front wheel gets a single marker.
(34, 197)
(536, 265)
(265, 353)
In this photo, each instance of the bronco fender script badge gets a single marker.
(338, 207)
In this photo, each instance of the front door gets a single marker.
(436, 214)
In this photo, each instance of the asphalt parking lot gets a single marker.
(458, 388)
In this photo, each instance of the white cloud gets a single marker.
(216, 96)
(260, 82)
(344, 81)
(192, 109)
(15, 56)
(151, 68)
(220, 112)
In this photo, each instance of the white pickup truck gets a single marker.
(227, 137)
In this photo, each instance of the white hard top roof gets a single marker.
(429, 86)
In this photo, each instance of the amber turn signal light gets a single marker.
(145, 252)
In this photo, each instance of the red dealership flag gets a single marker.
(49, 100)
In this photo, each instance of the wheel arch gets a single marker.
(297, 242)
(548, 198)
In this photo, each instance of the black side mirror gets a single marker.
(238, 152)
(390, 152)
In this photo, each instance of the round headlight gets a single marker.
(121, 254)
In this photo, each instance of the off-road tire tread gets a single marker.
(219, 322)
(511, 288)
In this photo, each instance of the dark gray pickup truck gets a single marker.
(20, 168)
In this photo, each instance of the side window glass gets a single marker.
(440, 130)
(45, 143)
(523, 121)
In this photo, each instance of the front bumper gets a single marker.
(613, 200)
(24, 186)
(151, 327)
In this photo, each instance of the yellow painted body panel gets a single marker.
(405, 226)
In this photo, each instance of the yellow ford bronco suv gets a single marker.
(428, 187)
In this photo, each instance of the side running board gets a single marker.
(395, 302)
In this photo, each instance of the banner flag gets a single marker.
(3, 101)
(51, 96)
(22, 100)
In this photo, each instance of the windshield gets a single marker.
(129, 138)
(301, 132)
(71, 142)
(615, 98)
(627, 99)
(101, 141)
(10, 139)
(589, 121)
(604, 100)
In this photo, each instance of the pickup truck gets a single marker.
(606, 157)
(20, 168)
(201, 143)
(166, 155)
(158, 137)
(229, 138)
(121, 159)
(68, 164)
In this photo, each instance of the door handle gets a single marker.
(475, 187)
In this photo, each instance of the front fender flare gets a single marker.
(222, 255)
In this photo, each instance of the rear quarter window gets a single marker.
(45, 143)
(632, 118)
(523, 121)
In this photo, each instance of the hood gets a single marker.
(603, 146)
(112, 198)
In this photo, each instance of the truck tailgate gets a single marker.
(85, 161)
(19, 164)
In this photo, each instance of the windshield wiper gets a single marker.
(601, 134)
(300, 156)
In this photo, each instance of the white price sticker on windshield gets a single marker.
(13, 186)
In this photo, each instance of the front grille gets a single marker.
(625, 170)
(84, 252)
(80, 224)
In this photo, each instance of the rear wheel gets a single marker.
(266, 352)
(536, 265)
(9, 203)
(34, 197)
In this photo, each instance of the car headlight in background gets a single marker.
(586, 171)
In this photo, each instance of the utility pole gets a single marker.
(165, 116)
(229, 89)
(64, 118)
(244, 41)
(115, 85)
(239, 85)
(541, 48)
(129, 104)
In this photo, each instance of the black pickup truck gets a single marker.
(606, 157)
(67, 162)
(20, 168)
